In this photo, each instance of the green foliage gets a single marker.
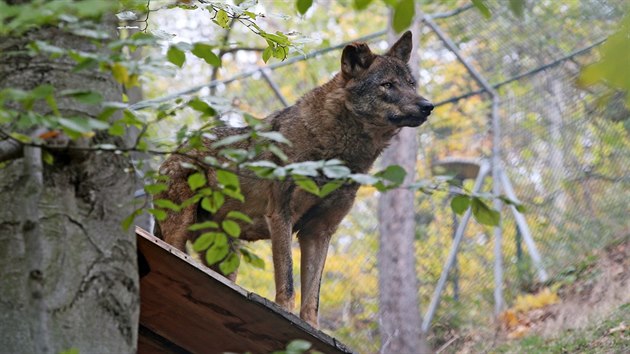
(297, 346)
(608, 70)
(403, 15)
(303, 5)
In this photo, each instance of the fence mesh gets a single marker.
(566, 154)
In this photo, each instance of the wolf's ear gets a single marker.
(402, 48)
(355, 58)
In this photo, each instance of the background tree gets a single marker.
(68, 271)
(399, 311)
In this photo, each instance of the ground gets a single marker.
(585, 310)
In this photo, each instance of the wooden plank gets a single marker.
(186, 307)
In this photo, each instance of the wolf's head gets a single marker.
(380, 88)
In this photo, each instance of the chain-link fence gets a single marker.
(565, 153)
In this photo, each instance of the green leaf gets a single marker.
(176, 56)
(307, 184)
(82, 124)
(234, 194)
(275, 136)
(158, 213)
(204, 51)
(267, 53)
(306, 168)
(252, 259)
(116, 129)
(329, 188)
(484, 214)
(232, 139)
(83, 96)
(231, 228)
(204, 241)
(303, 5)
(48, 158)
(403, 15)
(363, 179)
(230, 264)
(155, 188)
(361, 4)
(262, 168)
(298, 346)
(460, 204)
(393, 173)
(222, 19)
(166, 204)
(338, 171)
(217, 252)
(482, 7)
(278, 152)
(239, 216)
(126, 223)
(120, 73)
(197, 180)
(228, 179)
(201, 106)
(517, 7)
(203, 225)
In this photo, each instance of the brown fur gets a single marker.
(350, 118)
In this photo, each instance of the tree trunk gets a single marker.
(68, 272)
(399, 313)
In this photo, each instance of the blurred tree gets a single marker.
(68, 271)
(399, 312)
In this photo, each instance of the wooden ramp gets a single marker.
(188, 308)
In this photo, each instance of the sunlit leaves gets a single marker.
(222, 19)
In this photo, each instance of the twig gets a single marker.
(447, 344)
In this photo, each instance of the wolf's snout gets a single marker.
(426, 107)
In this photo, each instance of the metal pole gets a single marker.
(274, 88)
(450, 259)
(496, 136)
(522, 225)
(496, 191)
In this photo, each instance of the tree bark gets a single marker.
(68, 272)
(399, 314)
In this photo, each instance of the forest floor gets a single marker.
(585, 310)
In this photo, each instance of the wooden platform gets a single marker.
(188, 308)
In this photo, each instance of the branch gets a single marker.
(10, 150)
(236, 49)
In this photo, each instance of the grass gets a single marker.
(603, 337)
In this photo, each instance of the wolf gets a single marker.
(351, 118)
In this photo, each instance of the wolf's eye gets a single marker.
(387, 85)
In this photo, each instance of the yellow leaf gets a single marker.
(120, 73)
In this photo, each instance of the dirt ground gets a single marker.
(588, 311)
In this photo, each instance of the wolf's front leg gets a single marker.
(314, 234)
(280, 229)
